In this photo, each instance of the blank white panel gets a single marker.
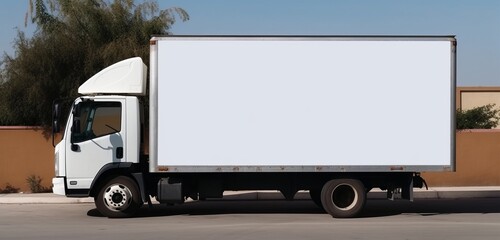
(301, 103)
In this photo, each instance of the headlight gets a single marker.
(56, 163)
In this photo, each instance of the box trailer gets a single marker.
(334, 115)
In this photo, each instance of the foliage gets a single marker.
(73, 41)
(484, 117)
(35, 184)
(9, 189)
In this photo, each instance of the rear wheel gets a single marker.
(119, 197)
(343, 198)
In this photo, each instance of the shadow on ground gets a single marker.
(373, 208)
(428, 207)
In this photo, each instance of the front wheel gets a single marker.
(343, 198)
(119, 197)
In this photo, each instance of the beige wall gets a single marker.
(477, 161)
(476, 99)
(26, 151)
(471, 97)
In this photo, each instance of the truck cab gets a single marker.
(103, 130)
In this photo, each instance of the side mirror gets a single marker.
(56, 114)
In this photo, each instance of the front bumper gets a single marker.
(58, 186)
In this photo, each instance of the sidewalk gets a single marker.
(432, 193)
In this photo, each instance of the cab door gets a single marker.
(97, 138)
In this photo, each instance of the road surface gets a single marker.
(265, 219)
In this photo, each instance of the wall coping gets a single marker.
(478, 89)
(479, 131)
(21, 128)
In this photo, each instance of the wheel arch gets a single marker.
(112, 170)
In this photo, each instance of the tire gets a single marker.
(343, 198)
(118, 198)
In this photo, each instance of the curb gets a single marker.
(458, 192)
(40, 198)
(432, 193)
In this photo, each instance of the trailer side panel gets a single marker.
(305, 104)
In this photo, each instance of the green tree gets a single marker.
(484, 117)
(73, 41)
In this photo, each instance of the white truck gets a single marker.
(334, 115)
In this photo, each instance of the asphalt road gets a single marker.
(264, 219)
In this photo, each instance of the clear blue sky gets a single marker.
(475, 23)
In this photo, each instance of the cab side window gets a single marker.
(98, 119)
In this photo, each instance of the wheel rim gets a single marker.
(344, 197)
(117, 197)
